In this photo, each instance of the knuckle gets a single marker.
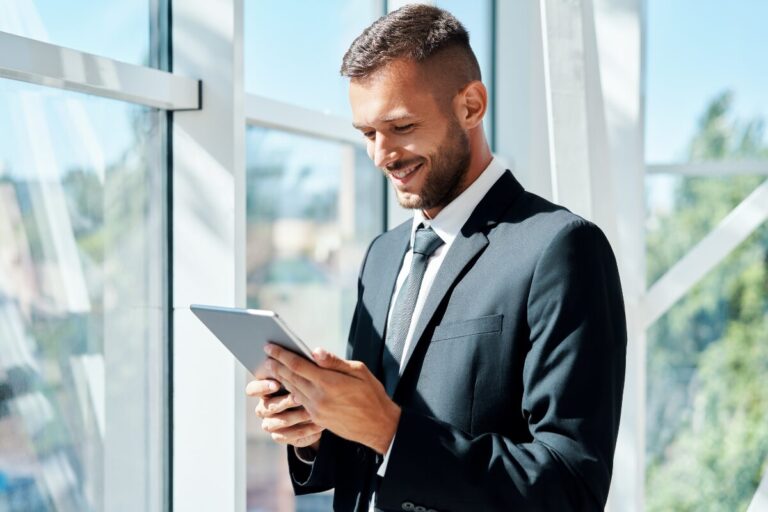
(292, 363)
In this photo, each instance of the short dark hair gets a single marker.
(417, 32)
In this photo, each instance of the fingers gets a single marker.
(281, 421)
(304, 434)
(293, 362)
(329, 361)
(326, 360)
(262, 387)
(270, 406)
(293, 381)
(307, 441)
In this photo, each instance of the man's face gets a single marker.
(419, 146)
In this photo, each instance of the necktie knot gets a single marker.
(426, 241)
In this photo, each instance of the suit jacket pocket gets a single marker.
(482, 325)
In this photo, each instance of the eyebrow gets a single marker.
(387, 119)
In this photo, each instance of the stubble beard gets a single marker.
(445, 178)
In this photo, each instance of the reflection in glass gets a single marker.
(313, 207)
(293, 49)
(119, 30)
(81, 302)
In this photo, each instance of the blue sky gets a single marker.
(695, 50)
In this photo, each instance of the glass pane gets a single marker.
(313, 207)
(682, 210)
(707, 402)
(721, 51)
(119, 30)
(81, 302)
(293, 49)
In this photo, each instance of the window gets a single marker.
(706, 153)
(119, 30)
(278, 63)
(82, 287)
(313, 207)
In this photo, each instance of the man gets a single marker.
(487, 350)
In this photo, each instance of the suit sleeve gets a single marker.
(573, 380)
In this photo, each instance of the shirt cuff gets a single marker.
(303, 456)
(383, 466)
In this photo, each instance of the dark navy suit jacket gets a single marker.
(511, 394)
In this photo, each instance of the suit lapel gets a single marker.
(459, 255)
(467, 245)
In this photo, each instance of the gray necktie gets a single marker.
(425, 243)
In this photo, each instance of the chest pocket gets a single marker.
(482, 325)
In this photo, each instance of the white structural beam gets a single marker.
(285, 116)
(579, 162)
(41, 63)
(618, 26)
(716, 168)
(208, 258)
(759, 501)
(521, 101)
(731, 231)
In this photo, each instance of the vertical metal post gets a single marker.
(208, 258)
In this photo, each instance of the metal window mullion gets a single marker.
(713, 169)
(293, 118)
(743, 220)
(208, 254)
(46, 64)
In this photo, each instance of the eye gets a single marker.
(370, 135)
(404, 128)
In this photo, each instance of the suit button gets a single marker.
(407, 505)
(419, 508)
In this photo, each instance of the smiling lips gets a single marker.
(402, 174)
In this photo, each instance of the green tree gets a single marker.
(707, 427)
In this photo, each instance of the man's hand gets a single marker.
(282, 417)
(342, 396)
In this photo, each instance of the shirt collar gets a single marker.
(452, 218)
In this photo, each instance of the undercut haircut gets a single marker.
(422, 33)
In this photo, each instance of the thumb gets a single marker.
(325, 359)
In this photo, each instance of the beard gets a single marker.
(444, 180)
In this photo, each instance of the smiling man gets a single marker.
(487, 350)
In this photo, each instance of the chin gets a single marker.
(409, 200)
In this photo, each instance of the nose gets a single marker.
(384, 152)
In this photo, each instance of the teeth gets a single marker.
(402, 174)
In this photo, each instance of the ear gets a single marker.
(470, 104)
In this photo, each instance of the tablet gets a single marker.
(245, 332)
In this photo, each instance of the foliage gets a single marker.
(707, 423)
